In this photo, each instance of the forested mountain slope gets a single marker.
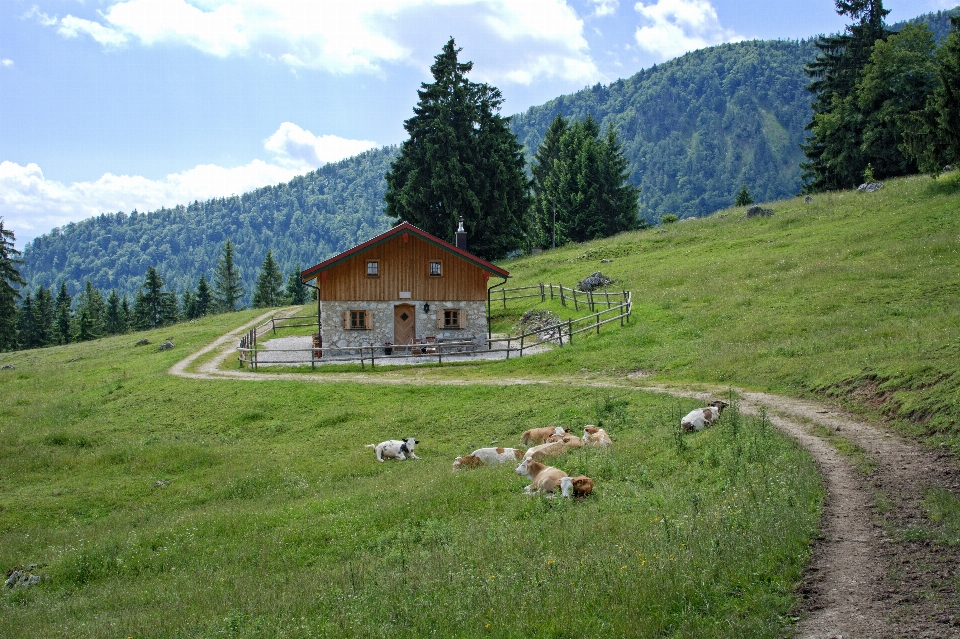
(303, 221)
(694, 129)
(699, 126)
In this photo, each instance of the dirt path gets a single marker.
(877, 569)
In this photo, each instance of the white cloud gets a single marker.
(32, 204)
(343, 37)
(7, 62)
(605, 7)
(678, 26)
(294, 146)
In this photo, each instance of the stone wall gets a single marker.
(334, 335)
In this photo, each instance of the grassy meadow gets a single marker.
(157, 506)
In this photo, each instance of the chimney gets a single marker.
(461, 236)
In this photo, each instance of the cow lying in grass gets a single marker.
(487, 457)
(700, 418)
(398, 449)
(580, 486)
(568, 440)
(539, 435)
(543, 479)
(549, 449)
(594, 436)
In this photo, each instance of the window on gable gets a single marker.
(373, 268)
(435, 268)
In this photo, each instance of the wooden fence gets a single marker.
(618, 306)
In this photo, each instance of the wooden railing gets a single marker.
(561, 333)
(567, 296)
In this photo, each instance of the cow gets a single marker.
(399, 449)
(543, 479)
(539, 435)
(568, 440)
(549, 449)
(580, 486)
(594, 436)
(700, 418)
(487, 457)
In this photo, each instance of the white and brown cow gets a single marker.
(400, 449)
(539, 435)
(579, 486)
(488, 457)
(595, 436)
(549, 449)
(700, 418)
(543, 479)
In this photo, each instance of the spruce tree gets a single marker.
(461, 160)
(743, 197)
(545, 163)
(932, 136)
(269, 290)
(204, 297)
(10, 281)
(295, 292)
(115, 320)
(26, 330)
(45, 318)
(834, 156)
(91, 309)
(227, 284)
(582, 183)
(63, 311)
(154, 307)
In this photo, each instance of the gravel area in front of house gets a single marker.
(295, 351)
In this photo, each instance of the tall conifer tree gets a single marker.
(227, 284)
(63, 309)
(461, 160)
(269, 290)
(10, 281)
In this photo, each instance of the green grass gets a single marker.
(275, 520)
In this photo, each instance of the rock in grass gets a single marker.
(594, 281)
(869, 187)
(6, 367)
(755, 211)
(167, 345)
(142, 342)
(20, 577)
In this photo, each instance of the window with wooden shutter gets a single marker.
(450, 318)
(357, 320)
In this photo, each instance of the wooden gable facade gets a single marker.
(402, 286)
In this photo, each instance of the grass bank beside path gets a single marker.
(155, 505)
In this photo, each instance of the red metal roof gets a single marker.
(314, 271)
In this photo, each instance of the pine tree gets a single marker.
(461, 160)
(154, 307)
(582, 183)
(115, 321)
(227, 284)
(545, 163)
(9, 279)
(90, 309)
(63, 315)
(833, 150)
(204, 297)
(45, 318)
(26, 330)
(269, 284)
(932, 136)
(295, 292)
(743, 197)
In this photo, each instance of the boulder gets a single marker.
(755, 211)
(593, 282)
(869, 187)
(167, 345)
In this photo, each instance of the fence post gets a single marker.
(569, 331)
(560, 333)
(504, 291)
(273, 324)
(373, 351)
(508, 346)
(598, 323)
(521, 345)
(607, 293)
(543, 297)
(563, 300)
(622, 311)
(551, 291)
(576, 304)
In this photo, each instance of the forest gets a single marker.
(693, 130)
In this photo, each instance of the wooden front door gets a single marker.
(404, 324)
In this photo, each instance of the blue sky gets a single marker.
(111, 105)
